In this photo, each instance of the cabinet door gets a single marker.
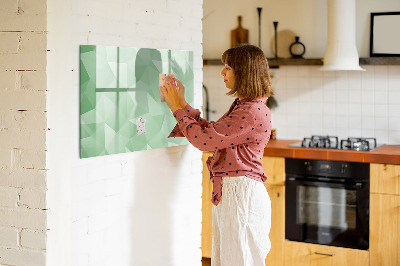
(384, 230)
(385, 178)
(277, 233)
(274, 168)
(206, 225)
(304, 254)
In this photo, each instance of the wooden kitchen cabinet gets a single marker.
(274, 168)
(385, 215)
(305, 254)
(277, 233)
(385, 178)
(206, 225)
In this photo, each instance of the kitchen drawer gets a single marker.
(305, 254)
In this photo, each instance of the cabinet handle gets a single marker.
(324, 254)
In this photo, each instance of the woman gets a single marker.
(242, 208)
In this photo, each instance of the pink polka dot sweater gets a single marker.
(238, 139)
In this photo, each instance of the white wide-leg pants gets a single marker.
(241, 223)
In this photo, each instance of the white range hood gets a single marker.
(341, 51)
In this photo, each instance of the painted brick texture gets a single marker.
(23, 125)
(139, 208)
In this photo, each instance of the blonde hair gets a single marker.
(250, 66)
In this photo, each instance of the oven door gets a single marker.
(327, 213)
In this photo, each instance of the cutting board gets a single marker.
(239, 35)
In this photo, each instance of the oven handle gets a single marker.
(357, 185)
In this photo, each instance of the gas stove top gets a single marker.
(332, 142)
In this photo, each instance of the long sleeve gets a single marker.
(193, 113)
(231, 130)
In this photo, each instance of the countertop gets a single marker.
(388, 154)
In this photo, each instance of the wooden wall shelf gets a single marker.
(380, 61)
(274, 63)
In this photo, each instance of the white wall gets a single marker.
(312, 102)
(23, 133)
(306, 19)
(139, 208)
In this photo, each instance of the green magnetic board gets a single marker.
(120, 106)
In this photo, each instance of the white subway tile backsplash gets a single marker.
(342, 109)
(294, 120)
(394, 137)
(381, 97)
(304, 109)
(367, 133)
(317, 95)
(394, 82)
(342, 96)
(393, 71)
(348, 103)
(317, 120)
(291, 71)
(367, 96)
(354, 80)
(368, 123)
(355, 109)
(394, 110)
(355, 75)
(318, 131)
(355, 122)
(381, 123)
(394, 97)
(329, 109)
(369, 71)
(329, 123)
(342, 122)
(304, 72)
(394, 123)
(381, 110)
(367, 110)
(329, 94)
(342, 81)
(292, 83)
(381, 84)
(380, 71)
(317, 108)
(316, 72)
(305, 95)
(342, 133)
(355, 132)
(328, 74)
(304, 82)
(354, 96)
(381, 136)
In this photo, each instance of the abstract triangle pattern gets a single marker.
(118, 87)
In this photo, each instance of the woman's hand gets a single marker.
(174, 94)
(181, 92)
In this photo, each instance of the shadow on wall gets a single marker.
(154, 200)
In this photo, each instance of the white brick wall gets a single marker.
(23, 132)
(139, 208)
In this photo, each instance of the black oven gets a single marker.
(327, 202)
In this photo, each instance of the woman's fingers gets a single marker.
(179, 83)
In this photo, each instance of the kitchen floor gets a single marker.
(206, 261)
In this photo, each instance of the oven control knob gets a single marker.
(308, 166)
(343, 168)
